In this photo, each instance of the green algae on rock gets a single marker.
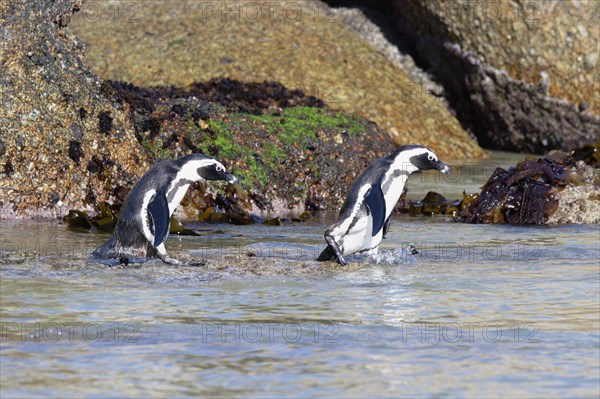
(289, 156)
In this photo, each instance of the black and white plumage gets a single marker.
(143, 225)
(365, 216)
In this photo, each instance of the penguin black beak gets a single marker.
(442, 167)
(230, 178)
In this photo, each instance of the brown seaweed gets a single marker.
(522, 195)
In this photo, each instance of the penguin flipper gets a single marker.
(159, 211)
(375, 201)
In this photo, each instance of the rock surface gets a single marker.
(289, 151)
(62, 143)
(69, 140)
(577, 205)
(300, 44)
(521, 75)
(523, 38)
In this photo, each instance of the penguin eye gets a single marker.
(220, 168)
(430, 157)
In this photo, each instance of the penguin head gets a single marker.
(421, 158)
(199, 166)
(216, 171)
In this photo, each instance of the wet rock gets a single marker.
(106, 218)
(176, 227)
(312, 51)
(589, 153)
(432, 204)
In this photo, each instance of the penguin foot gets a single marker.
(168, 260)
(332, 253)
(341, 260)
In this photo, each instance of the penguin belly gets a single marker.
(359, 237)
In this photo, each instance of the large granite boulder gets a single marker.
(300, 44)
(70, 140)
(521, 75)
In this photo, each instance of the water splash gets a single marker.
(398, 256)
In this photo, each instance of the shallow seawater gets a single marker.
(480, 311)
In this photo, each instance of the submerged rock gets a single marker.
(107, 215)
(433, 204)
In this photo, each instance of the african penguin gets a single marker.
(365, 216)
(143, 225)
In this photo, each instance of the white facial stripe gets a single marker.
(190, 169)
(188, 172)
(402, 161)
(144, 215)
(396, 186)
